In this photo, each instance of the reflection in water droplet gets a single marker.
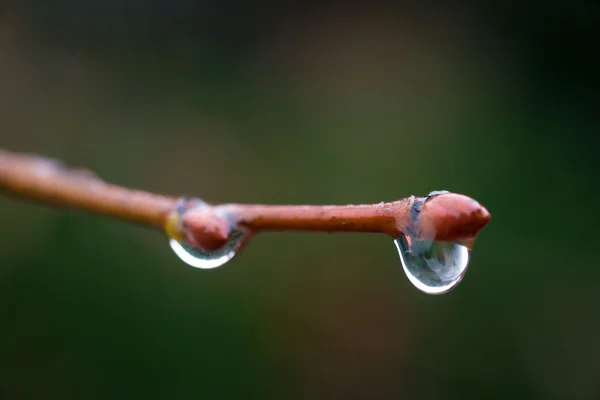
(433, 267)
(198, 258)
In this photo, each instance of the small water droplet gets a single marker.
(434, 267)
(437, 193)
(198, 258)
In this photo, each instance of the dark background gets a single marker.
(287, 102)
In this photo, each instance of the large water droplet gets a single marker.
(198, 258)
(433, 267)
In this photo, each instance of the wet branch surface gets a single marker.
(440, 216)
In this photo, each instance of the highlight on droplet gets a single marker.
(198, 258)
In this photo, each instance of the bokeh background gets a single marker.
(288, 102)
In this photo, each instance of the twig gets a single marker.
(49, 181)
(440, 216)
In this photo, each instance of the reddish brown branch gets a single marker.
(48, 181)
(389, 218)
(447, 217)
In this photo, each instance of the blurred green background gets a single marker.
(287, 102)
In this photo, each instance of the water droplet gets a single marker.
(434, 267)
(198, 258)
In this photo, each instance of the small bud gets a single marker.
(451, 217)
(205, 229)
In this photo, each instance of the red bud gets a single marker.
(451, 217)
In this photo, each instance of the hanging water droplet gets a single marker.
(198, 258)
(434, 267)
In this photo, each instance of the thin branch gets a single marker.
(49, 181)
(440, 216)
